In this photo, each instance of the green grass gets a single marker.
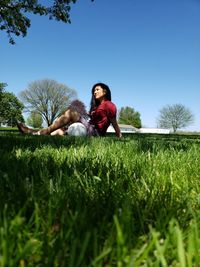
(99, 201)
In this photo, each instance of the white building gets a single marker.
(131, 129)
(154, 130)
(124, 129)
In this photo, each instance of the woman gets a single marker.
(102, 113)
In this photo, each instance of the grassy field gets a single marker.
(99, 202)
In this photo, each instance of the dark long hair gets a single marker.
(94, 103)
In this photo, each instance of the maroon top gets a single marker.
(102, 114)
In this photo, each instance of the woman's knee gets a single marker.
(74, 115)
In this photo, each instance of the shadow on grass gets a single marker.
(9, 141)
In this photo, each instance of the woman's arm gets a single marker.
(116, 127)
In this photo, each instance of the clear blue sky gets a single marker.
(147, 51)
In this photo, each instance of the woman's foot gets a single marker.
(24, 129)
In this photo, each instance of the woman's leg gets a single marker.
(68, 117)
(58, 132)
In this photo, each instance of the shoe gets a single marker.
(24, 129)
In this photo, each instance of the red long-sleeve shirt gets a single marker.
(101, 116)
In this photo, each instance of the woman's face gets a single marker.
(99, 93)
